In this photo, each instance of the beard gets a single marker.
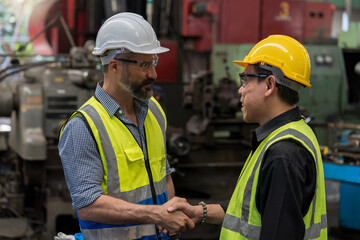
(134, 88)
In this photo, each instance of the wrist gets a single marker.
(154, 214)
(198, 213)
(204, 212)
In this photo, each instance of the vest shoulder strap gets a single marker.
(156, 109)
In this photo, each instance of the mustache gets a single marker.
(147, 81)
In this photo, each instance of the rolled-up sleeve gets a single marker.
(81, 163)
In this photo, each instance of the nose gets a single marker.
(151, 73)
(240, 90)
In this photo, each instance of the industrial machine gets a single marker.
(342, 154)
(39, 97)
(342, 164)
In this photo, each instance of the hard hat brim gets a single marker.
(157, 50)
(241, 63)
(152, 51)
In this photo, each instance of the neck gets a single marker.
(275, 109)
(120, 96)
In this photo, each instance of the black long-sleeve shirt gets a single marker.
(286, 183)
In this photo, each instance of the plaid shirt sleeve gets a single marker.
(81, 163)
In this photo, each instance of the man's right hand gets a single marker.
(174, 222)
(194, 212)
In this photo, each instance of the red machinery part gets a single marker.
(197, 25)
(318, 19)
(167, 66)
(214, 21)
(54, 39)
(238, 21)
(37, 22)
(299, 19)
(81, 27)
(283, 17)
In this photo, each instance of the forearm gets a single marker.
(215, 213)
(170, 187)
(110, 210)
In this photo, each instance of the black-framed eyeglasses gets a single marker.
(144, 65)
(244, 77)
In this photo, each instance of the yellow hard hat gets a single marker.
(282, 52)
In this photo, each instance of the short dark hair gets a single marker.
(286, 94)
(105, 68)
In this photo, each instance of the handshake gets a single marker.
(177, 215)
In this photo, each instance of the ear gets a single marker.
(113, 65)
(270, 85)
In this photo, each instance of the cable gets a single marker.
(22, 68)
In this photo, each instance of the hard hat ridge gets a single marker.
(128, 31)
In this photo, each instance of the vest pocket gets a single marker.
(133, 173)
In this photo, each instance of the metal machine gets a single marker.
(39, 97)
(38, 94)
(343, 152)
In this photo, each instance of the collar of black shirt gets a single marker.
(263, 131)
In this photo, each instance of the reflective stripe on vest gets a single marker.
(250, 231)
(130, 232)
(127, 153)
(159, 115)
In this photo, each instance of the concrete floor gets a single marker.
(336, 232)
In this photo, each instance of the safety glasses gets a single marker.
(144, 65)
(245, 78)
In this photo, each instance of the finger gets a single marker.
(159, 227)
(178, 199)
(164, 232)
(190, 224)
(176, 206)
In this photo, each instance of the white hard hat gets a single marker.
(127, 32)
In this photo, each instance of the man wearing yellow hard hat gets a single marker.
(280, 193)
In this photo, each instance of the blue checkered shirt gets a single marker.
(80, 156)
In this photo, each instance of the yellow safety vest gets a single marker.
(127, 173)
(243, 220)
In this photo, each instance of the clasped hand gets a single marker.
(177, 216)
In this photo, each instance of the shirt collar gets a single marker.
(263, 131)
(108, 103)
(112, 107)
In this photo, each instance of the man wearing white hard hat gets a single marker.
(113, 147)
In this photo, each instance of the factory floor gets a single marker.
(335, 231)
